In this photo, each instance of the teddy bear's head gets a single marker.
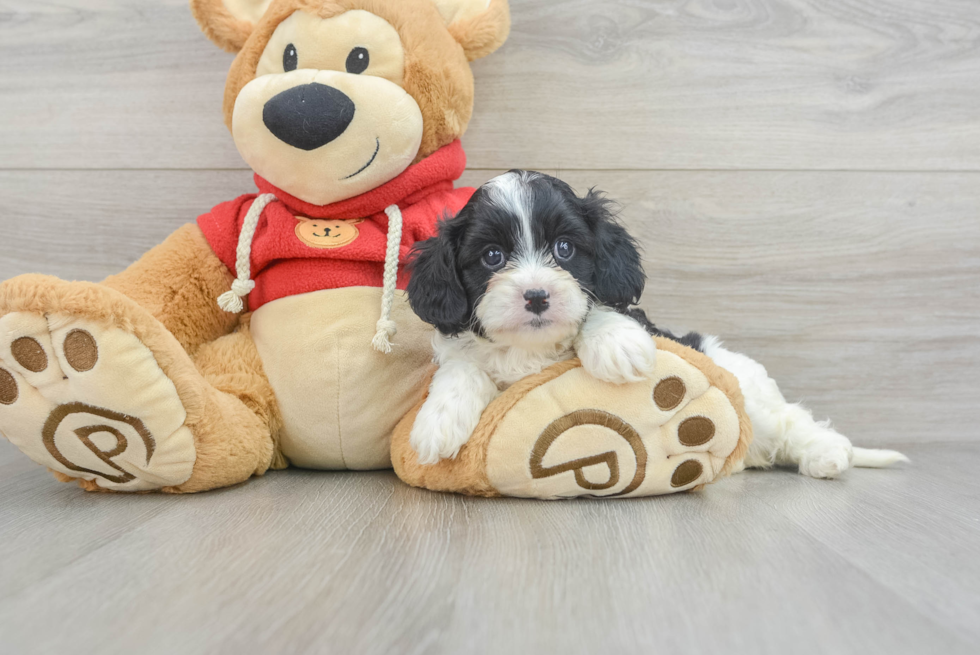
(328, 99)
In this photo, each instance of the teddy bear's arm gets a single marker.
(178, 282)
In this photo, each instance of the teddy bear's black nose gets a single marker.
(308, 116)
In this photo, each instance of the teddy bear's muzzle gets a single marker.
(308, 116)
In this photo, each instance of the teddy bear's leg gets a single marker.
(97, 389)
(179, 282)
(236, 438)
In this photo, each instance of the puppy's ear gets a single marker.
(619, 276)
(228, 23)
(480, 26)
(435, 291)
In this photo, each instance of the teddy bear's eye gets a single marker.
(358, 60)
(290, 58)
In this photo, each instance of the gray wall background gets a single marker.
(804, 176)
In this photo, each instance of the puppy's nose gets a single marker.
(308, 116)
(537, 300)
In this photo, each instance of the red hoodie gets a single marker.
(299, 247)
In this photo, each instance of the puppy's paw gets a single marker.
(442, 426)
(827, 457)
(622, 353)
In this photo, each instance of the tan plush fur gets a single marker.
(483, 34)
(231, 426)
(467, 473)
(437, 72)
(167, 299)
(232, 440)
(232, 365)
(226, 31)
(724, 380)
(42, 294)
(177, 282)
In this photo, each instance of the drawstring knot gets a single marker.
(231, 301)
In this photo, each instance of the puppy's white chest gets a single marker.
(516, 364)
(505, 365)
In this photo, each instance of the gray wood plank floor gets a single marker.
(805, 180)
(306, 562)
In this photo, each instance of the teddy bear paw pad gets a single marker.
(91, 402)
(577, 436)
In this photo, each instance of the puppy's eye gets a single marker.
(564, 250)
(493, 258)
(358, 60)
(290, 58)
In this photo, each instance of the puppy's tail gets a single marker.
(870, 458)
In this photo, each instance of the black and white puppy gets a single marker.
(526, 275)
(529, 274)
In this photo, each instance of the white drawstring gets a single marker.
(231, 301)
(387, 328)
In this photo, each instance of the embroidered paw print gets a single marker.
(672, 431)
(327, 233)
(91, 402)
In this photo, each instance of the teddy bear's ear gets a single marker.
(480, 26)
(228, 22)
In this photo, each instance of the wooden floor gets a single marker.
(304, 562)
(804, 177)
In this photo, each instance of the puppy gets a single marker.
(529, 274)
(526, 275)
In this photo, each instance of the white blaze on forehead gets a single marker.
(511, 192)
(502, 309)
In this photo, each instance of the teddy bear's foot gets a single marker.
(673, 431)
(82, 395)
(563, 433)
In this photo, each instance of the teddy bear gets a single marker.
(275, 330)
(350, 113)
